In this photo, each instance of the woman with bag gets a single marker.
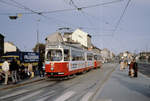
(131, 71)
(30, 70)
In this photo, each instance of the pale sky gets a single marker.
(132, 34)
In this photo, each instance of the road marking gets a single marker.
(28, 96)
(44, 97)
(105, 100)
(87, 96)
(14, 94)
(65, 96)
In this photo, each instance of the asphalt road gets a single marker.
(121, 87)
(81, 88)
(144, 69)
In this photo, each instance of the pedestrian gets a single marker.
(122, 65)
(2, 76)
(135, 68)
(40, 68)
(131, 71)
(125, 64)
(26, 72)
(30, 70)
(18, 69)
(5, 68)
(22, 71)
(13, 69)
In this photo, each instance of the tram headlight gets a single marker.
(52, 68)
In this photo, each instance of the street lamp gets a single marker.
(14, 17)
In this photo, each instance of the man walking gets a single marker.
(135, 68)
(13, 69)
(40, 68)
(5, 68)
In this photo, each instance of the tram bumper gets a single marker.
(55, 74)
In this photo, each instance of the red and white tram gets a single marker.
(97, 61)
(64, 60)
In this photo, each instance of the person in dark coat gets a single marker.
(40, 68)
(22, 71)
(13, 70)
(135, 68)
(131, 73)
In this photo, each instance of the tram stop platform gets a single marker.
(120, 87)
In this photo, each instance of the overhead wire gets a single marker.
(19, 5)
(11, 4)
(120, 18)
(101, 4)
(72, 3)
(81, 11)
(95, 17)
(64, 10)
(39, 13)
(26, 8)
(118, 23)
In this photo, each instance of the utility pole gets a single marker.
(38, 35)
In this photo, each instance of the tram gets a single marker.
(97, 61)
(63, 60)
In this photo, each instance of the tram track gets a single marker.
(81, 85)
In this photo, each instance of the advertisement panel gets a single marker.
(30, 57)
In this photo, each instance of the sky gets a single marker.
(131, 33)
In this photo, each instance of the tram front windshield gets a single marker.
(54, 55)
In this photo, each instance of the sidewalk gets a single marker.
(21, 83)
(120, 87)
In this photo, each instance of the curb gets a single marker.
(145, 76)
(21, 84)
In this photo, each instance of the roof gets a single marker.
(1, 35)
(11, 43)
(55, 37)
(83, 32)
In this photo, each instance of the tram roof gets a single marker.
(63, 45)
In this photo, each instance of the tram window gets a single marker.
(89, 56)
(66, 55)
(77, 55)
(99, 57)
(54, 55)
(95, 57)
